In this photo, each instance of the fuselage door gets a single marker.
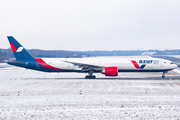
(100, 62)
(161, 64)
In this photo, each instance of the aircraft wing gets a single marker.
(86, 67)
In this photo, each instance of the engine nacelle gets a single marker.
(110, 71)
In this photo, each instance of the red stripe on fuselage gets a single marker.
(13, 47)
(135, 64)
(41, 61)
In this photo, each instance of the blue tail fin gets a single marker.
(19, 51)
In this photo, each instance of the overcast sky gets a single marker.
(91, 24)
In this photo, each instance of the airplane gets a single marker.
(109, 66)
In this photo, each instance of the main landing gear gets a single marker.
(90, 76)
(163, 76)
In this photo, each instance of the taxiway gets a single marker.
(28, 94)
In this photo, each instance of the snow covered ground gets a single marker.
(27, 94)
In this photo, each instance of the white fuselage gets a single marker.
(123, 64)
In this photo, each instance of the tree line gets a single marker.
(6, 54)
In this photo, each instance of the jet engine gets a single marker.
(110, 71)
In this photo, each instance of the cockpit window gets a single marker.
(172, 63)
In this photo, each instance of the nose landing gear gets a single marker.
(163, 76)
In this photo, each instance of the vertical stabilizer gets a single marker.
(19, 51)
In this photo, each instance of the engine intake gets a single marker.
(110, 71)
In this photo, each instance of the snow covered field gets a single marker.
(27, 94)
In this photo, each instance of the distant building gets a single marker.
(148, 53)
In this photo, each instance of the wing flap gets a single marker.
(86, 67)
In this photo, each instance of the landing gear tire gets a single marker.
(87, 77)
(90, 77)
(163, 76)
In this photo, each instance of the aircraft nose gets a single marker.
(175, 66)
